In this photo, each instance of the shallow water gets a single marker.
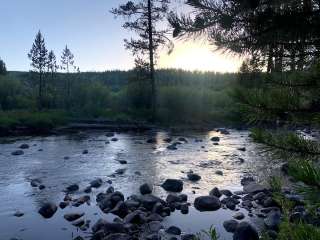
(154, 161)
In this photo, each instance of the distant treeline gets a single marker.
(182, 96)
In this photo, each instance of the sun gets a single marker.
(192, 56)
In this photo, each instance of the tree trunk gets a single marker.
(151, 56)
(40, 91)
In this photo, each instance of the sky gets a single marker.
(93, 34)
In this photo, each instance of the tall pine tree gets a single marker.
(144, 18)
(39, 57)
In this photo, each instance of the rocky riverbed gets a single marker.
(105, 185)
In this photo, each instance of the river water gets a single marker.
(45, 160)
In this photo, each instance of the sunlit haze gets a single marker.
(93, 35)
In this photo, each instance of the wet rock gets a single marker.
(167, 140)
(107, 227)
(207, 203)
(18, 214)
(85, 152)
(120, 171)
(243, 149)
(79, 238)
(48, 210)
(63, 205)
(193, 177)
(109, 134)
(182, 139)
(123, 162)
(238, 216)
(120, 209)
(96, 183)
(245, 231)
(223, 131)
(215, 139)
(172, 185)
(114, 139)
(253, 188)
(148, 201)
(285, 168)
(132, 204)
(118, 236)
(108, 201)
(215, 192)
(41, 187)
(24, 146)
(188, 237)
(145, 189)
(151, 140)
(136, 217)
(17, 153)
(273, 220)
(70, 217)
(230, 225)
(246, 180)
(35, 182)
(173, 230)
(72, 188)
(172, 147)
(184, 208)
(88, 189)
(259, 196)
(66, 158)
(138, 173)
(219, 172)
(226, 192)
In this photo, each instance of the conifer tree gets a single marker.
(39, 58)
(3, 68)
(143, 17)
(67, 64)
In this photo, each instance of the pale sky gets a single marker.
(93, 35)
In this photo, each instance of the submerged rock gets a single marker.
(173, 185)
(193, 177)
(18, 214)
(48, 210)
(173, 230)
(215, 139)
(207, 203)
(17, 153)
(73, 216)
(24, 146)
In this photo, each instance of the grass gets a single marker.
(10, 120)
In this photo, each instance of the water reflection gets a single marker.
(152, 160)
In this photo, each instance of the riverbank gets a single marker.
(22, 123)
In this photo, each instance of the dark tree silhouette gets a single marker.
(39, 57)
(3, 68)
(280, 34)
(143, 18)
(67, 64)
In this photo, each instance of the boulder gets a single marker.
(215, 139)
(96, 183)
(230, 225)
(253, 187)
(72, 188)
(207, 203)
(172, 185)
(145, 189)
(245, 231)
(215, 192)
(48, 210)
(173, 230)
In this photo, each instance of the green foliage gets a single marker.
(282, 141)
(211, 234)
(300, 231)
(275, 183)
(33, 120)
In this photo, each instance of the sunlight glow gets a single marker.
(195, 56)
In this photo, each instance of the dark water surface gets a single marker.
(154, 161)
